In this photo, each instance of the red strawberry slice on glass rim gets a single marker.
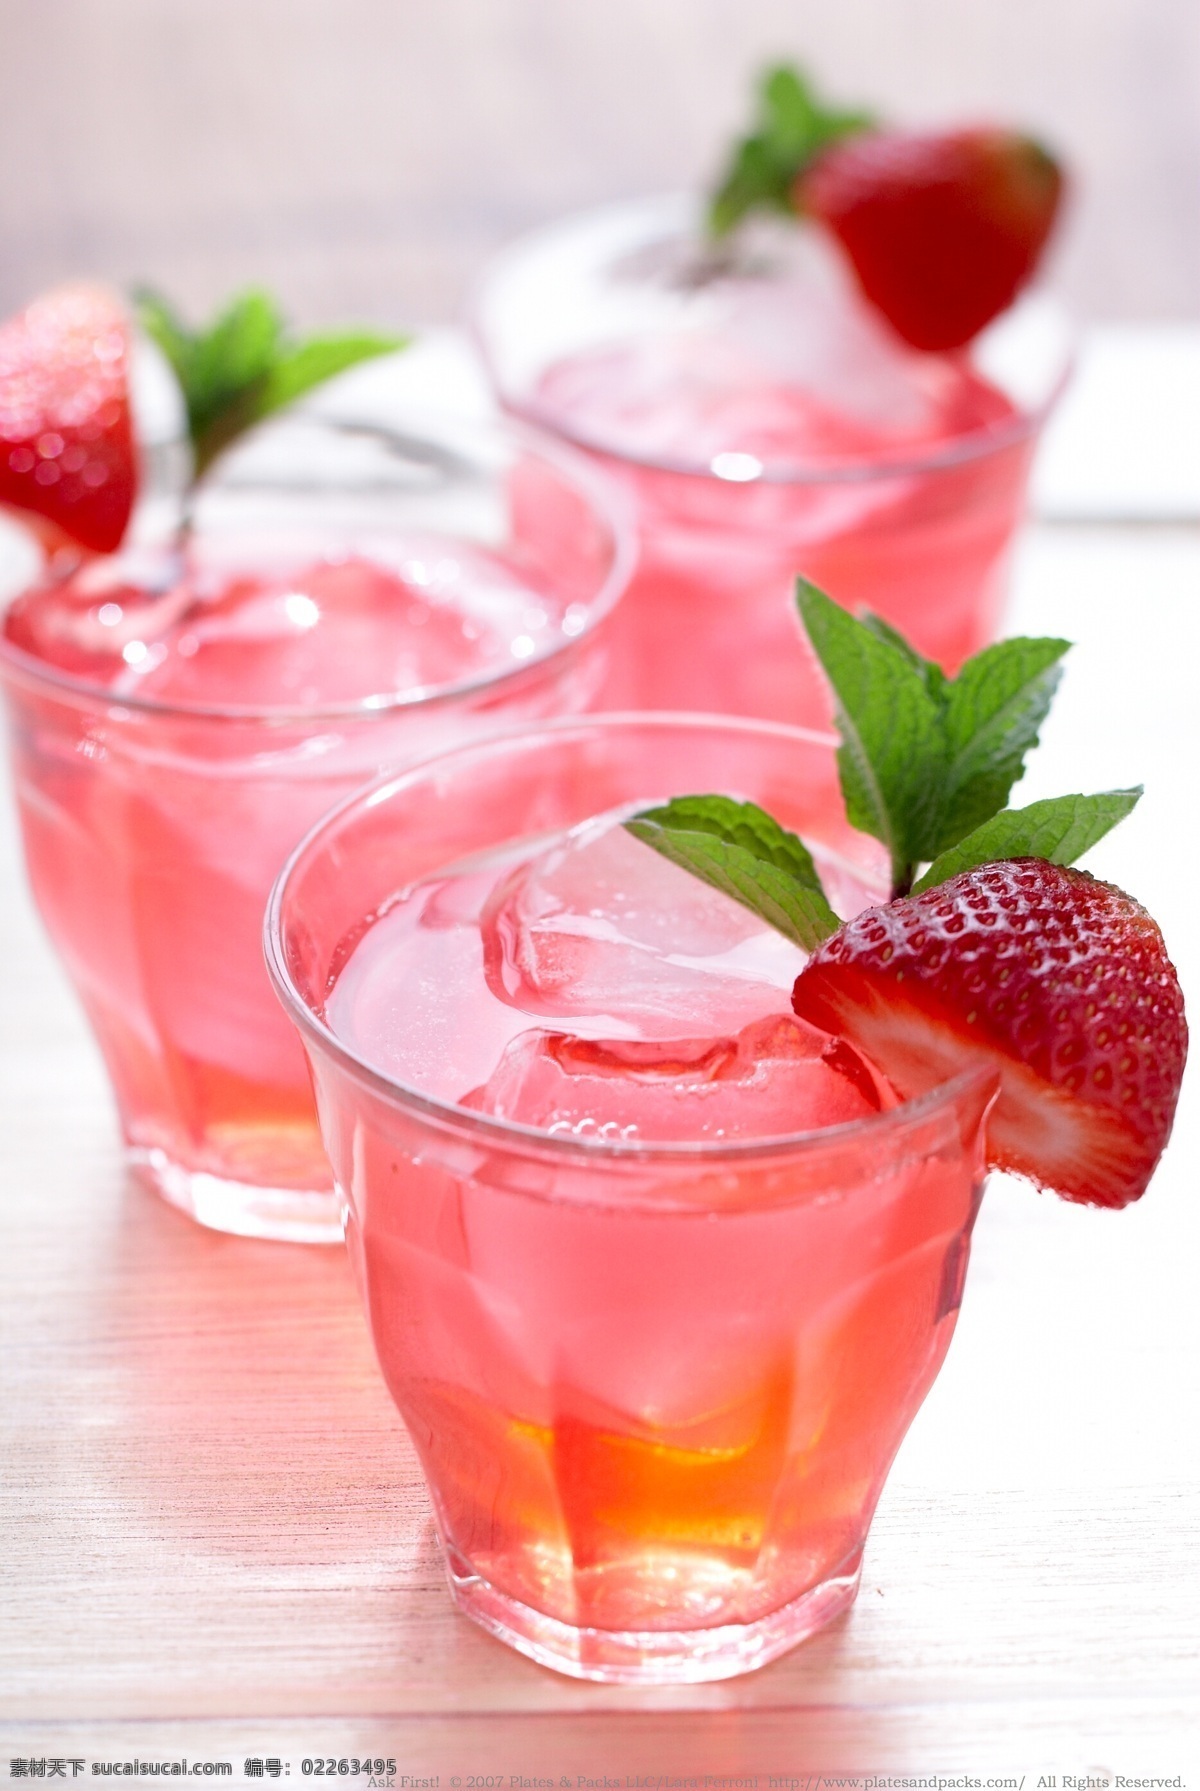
(943, 229)
(1060, 982)
(68, 461)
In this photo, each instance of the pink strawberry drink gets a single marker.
(657, 1274)
(766, 423)
(178, 721)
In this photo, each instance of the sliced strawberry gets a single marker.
(943, 230)
(66, 440)
(1059, 981)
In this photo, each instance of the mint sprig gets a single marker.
(792, 126)
(925, 758)
(926, 762)
(893, 753)
(244, 365)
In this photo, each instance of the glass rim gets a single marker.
(491, 1131)
(959, 450)
(603, 498)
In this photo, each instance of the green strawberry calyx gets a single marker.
(792, 126)
(926, 764)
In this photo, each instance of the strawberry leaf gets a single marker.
(739, 849)
(892, 757)
(991, 715)
(1060, 829)
(791, 128)
(244, 365)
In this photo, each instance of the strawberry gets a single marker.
(995, 953)
(943, 230)
(66, 440)
(1060, 981)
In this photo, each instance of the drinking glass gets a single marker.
(763, 424)
(153, 826)
(655, 1389)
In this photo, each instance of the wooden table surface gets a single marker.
(216, 1541)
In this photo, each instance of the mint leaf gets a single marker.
(244, 366)
(892, 756)
(741, 850)
(753, 181)
(925, 763)
(236, 350)
(219, 369)
(931, 674)
(1060, 829)
(317, 359)
(792, 126)
(922, 777)
(991, 714)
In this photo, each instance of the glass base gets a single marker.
(649, 1656)
(284, 1215)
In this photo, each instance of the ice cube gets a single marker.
(339, 630)
(603, 931)
(777, 1076)
(411, 1000)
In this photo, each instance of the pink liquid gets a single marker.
(153, 833)
(658, 1401)
(593, 989)
(765, 423)
(709, 622)
(332, 632)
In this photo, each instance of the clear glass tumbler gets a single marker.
(655, 1389)
(763, 424)
(154, 824)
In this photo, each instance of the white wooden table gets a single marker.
(216, 1544)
